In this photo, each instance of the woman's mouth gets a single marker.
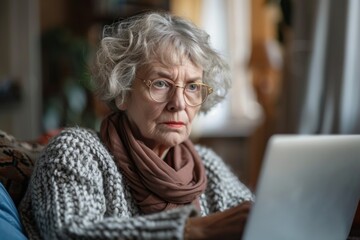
(174, 124)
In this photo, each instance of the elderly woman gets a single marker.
(141, 177)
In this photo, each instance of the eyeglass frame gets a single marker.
(148, 83)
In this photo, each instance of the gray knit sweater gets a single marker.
(77, 192)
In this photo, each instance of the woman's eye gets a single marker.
(160, 84)
(193, 87)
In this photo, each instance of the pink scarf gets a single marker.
(157, 184)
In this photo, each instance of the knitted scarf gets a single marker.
(156, 184)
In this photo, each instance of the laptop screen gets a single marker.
(309, 188)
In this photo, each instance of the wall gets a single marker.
(20, 61)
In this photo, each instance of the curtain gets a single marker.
(322, 87)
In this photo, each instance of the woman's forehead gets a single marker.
(157, 67)
(166, 65)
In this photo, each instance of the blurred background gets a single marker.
(294, 66)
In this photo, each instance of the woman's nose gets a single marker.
(177, 100)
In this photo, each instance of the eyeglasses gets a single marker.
(162, 90)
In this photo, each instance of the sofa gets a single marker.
(17, 160)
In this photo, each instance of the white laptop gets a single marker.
(308, 189)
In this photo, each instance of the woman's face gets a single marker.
(162, 125)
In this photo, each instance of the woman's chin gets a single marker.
(172, 139)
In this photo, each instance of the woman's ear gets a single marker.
(120, 103)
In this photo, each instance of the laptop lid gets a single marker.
(309, 188)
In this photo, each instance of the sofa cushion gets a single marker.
(17, 159)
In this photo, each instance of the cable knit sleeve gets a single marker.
(224, 189)
(76, 192)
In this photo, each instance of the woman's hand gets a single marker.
(229, 224)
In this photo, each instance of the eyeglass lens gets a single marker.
(194, 93)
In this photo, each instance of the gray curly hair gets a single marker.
(132, 43)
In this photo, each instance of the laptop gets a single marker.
(309, 188)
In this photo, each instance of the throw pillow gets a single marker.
(17, 159)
